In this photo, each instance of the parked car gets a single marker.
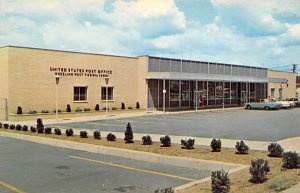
(284, 104)
(263, 104)
(296, 100)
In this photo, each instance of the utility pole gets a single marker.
(294, 68)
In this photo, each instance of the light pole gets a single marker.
(57, 83)
(106, 96)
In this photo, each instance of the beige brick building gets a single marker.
(27, 79)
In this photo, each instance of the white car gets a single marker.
(284, 104)
(263, 104)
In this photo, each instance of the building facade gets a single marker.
(27, 79)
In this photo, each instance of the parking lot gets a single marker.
(244, 124)
(32, 167)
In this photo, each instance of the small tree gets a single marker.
(57, 131)
(97, 107)
(188, 143)
(122, 106)
(25, 128)
(19, 110)
(97, 134)
(68, 108)
(12, 126)
(275, 150)
(241, 148)
(83, 134)
(220, 182)
(69, 132)
(128, 134)
(137, 105)
(165, 141)
(40, 125)
(48, 130)
(259, 170)
(6, 126)
(165, 190)
(147, 140)
(19, 127)
(32, 129)
(111, 137)
(216, 145)
(290, 160)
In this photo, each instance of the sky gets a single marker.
(263, 33)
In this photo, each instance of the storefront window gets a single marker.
(174, 93)
(80, 93)
(185, 93)
(211, 93)
(110, 92)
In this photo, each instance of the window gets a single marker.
(80, 93)
(110, 91)
(272, 91)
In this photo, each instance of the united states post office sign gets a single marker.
(80, 72)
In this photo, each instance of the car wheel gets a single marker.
(249, 107)
(267, 108)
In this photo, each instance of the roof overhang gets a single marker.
(205, 77)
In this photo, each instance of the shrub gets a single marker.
(48, 130)
(165, 190)
(104, 108)
(137, 105)
(19, 127)
(114, 108)
(68, 108)
(128, 134)
(241, 148)
(83, 134)
(40, 125)
(0, 125)
(111, 137)
(147, 140)
(188, 143)
(122, 106)
(129, 107)
(25, 128)
(58, 110)
(165, 141)
(19, 110)
(57, 131)
(12, 126)
(275, 150)
(259, 170)
(32, 129)
(78, 109)
(45, 111)
(32, 112)
(290, 160)
(69, 132)
(5, 125)
(216, 145)
(220, 182)
(87, 109)
(97, 134)
(97, 107)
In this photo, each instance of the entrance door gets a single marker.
(199, 99)
(244, 97)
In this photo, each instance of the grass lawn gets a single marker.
(278, 178)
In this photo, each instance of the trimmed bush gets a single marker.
(129, 107)
(220, 182)
(83, 134)
(165, 190)
(97, 134)
(128, 134)
(32, 129)
(165, 141)
(275, 150)
(187, 143)
(58, 110)
(19, 110)
(6, 126)
(32, 112)
(241, 148)
(86, 109)
(259, 170)
(40, 125)
(12, 126)
(57, 131)
(114, 108)
(137, 105)
(45, 111)
(25, 128)
(290, 160)
(69, 132)
(48, 130)
(68, 108)
(78, 109)
(97, 108)
(122, 106)
(111, 137)
(19, 127)
(216, 145)
(0, 125)
(147, 140)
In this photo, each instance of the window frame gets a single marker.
(112, 93)
(79, 94)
